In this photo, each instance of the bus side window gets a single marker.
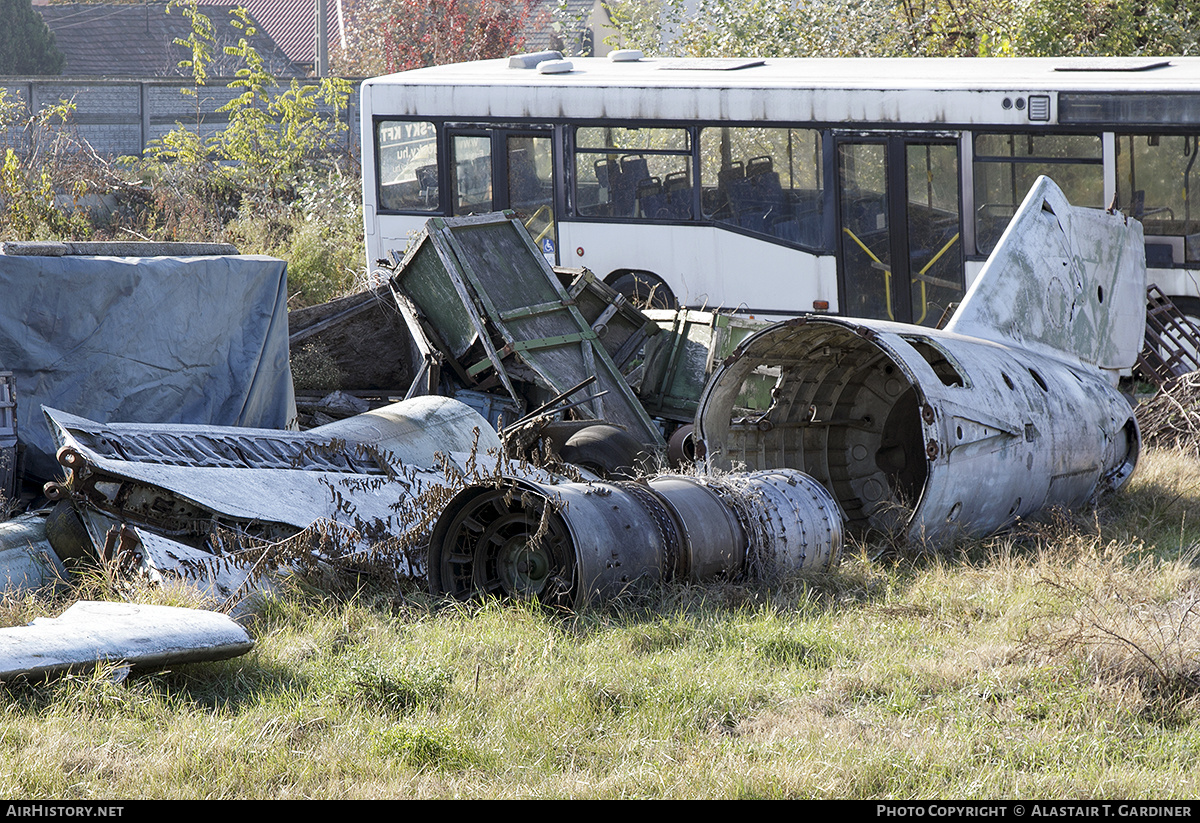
(1006, 166)
(471, 157)
(408, 178)
(1155, 174)
(627, 172)
(764, 180)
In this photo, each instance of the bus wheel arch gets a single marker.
(1189, 307)
(644, 289)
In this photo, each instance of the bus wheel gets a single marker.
(605, 450)
(645, 290)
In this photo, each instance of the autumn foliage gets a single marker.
(396, 35)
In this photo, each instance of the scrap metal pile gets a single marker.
(528, 459)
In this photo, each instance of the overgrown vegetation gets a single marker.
(47, 173)
(908, 28)
(271, 181)
(395, 35)
(1061, 659)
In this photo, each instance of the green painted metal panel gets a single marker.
(511, 301)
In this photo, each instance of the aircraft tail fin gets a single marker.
(1065, 281)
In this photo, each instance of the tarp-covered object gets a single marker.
(145, 339)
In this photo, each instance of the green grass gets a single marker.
(1059, 660)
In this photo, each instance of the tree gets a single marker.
(396, 35)
(920, 28)
(760, 28)
(26, 44)
(272, 135)
(1109, 27)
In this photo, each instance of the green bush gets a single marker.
(271, 182)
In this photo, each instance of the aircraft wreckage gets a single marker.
(119, 634)
(168, 499)
(811, 427)
(1011, 409)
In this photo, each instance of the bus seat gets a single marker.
(623, 191)
(677, 196)
(681, 203)
(766, 189)
(606, 172)
(726, 176)
(759, 165)
(635, 166)
(649, 185)
(650, 197)
(675, 181)
(670, 205)
(741, 193)
(657, 206)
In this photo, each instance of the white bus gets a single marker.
(865, 187)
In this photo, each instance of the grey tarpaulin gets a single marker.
(145, 340)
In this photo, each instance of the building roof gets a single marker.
(101, 40)
(575, 16)
(293, 24)
(138, 40)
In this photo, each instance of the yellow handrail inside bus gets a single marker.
(533, 218)
(887, 272)
(928, 266)
(938, 256)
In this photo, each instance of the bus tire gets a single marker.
(604, 450)
(644, 290)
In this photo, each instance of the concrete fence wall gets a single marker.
(121, 116)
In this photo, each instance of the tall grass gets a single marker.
(1057, 660)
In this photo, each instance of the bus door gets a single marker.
(497, 169)
(900, 251)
